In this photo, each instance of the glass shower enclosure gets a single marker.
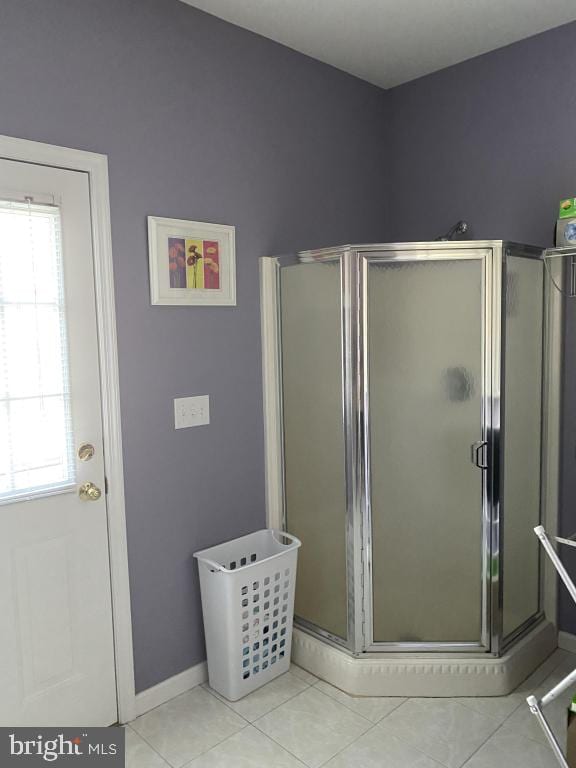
(411, 404)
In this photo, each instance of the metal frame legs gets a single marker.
(537, 705)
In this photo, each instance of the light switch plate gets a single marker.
(191, 411)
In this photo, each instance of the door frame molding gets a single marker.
(96, 166)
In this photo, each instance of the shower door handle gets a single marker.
(478, 454)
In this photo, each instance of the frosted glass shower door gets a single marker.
(521, 418)
(426, 397)
(314, 452)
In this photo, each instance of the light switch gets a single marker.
(191, 411)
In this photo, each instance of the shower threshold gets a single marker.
(425, 674)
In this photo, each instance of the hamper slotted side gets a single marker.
(247, 588)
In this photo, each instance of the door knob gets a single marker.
(89, 492)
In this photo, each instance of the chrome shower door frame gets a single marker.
(349, 334)
(354, 334)
(489, 254)
(501, 642)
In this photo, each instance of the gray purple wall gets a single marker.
(487, 140)
(200, 120)
(490, 141)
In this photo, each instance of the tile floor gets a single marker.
(298, 720)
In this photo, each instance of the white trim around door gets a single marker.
(96, 166)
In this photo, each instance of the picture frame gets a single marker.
(192, 263)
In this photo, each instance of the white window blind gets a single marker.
(36, 448)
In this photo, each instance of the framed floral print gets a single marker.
(192, 263)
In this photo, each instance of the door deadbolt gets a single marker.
(86, 452)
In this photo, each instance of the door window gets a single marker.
(36, 452)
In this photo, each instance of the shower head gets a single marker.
(460, 228)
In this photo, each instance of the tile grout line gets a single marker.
(218, 743)
(407, 743)
(251, 722)
(418, 749)
(164, 759)
(519, 705)
(480, 712)
(404, 700)
(503, 723)
(307, 765)
(292, 753)
(411, 746)
(374, 725)
(232, 735)
(187, 763)
(397, 736)
(484, 742)
(226, 703)
(348, 745)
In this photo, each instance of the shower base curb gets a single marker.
(387, 674)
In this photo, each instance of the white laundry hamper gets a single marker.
(247, 588)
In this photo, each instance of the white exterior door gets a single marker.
(56, 634)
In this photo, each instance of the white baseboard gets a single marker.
(168, 689)
(567, 642)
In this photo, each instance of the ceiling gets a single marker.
(388, 42)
